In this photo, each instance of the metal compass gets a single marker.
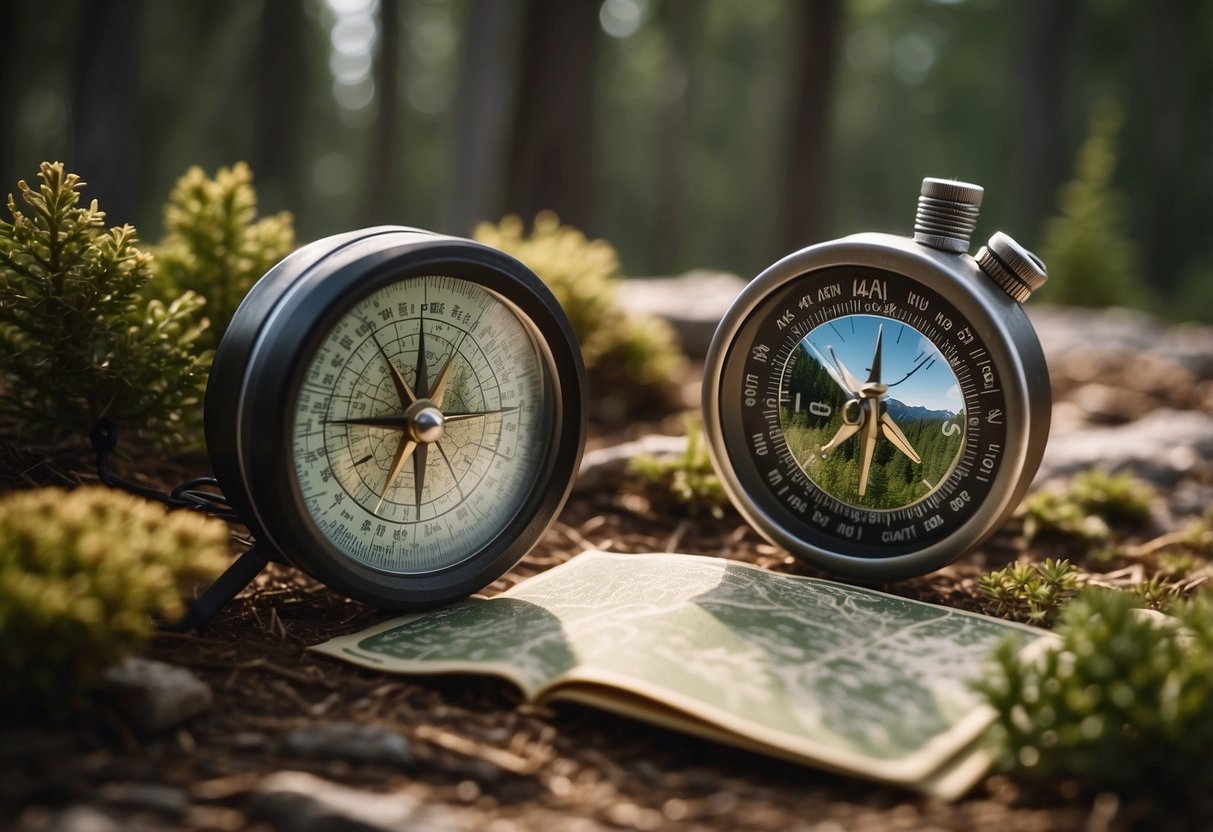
(398, 413)
(877, 405)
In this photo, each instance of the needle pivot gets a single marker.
(426, 424)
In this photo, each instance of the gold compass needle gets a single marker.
(897, 438)
(845, 432)
(404, 450)
(450, 468)
(403, 390)
(867, 444)
(439, 391)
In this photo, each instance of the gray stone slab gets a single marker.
(155, 696)
(1162, 447)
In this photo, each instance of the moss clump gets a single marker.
(82, 573)
(1031, 592)
(214, 244)
(77, 340)
(1122, 703)
(687, 480)
(621, 351)
(1088, 508)
(1156, 593)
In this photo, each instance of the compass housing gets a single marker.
(259, 369)
(984, 336)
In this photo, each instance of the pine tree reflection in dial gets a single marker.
(418, 424)
(871, 411)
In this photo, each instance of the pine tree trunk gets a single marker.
(483, 106)
(105, 142)
(684, 24)
(281, 80)
(381, 167)
(552, 138)
(806, 184)
(1042, 64)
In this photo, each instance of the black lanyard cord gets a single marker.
(188, 495)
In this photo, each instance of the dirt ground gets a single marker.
(480, 758)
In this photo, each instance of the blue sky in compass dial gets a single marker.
(853, 337)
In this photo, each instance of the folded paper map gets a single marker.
(826, 674)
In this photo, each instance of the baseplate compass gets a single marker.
(397, 413)
(877, 405)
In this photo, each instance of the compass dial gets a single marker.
(882, 443)
(398, 413)
(418, 423)
(860, 417)
(878, 405)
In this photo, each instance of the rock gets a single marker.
(350, 741)
(693, 303)
(153, 695)
(1104, 403)
(80, 819)
(1162, 448)
(301, 802)
(1119, 334)
(1064, 329)
(605, 467)
(164, 800)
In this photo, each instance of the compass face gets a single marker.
(398, 413)
(860, 415)
(419, 424)
(920, 412)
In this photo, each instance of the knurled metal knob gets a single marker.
(947, 214)
(1017, 271)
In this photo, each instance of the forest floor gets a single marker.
(474, 756)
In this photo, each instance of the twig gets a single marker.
(575, 536)
(504, 760)
(676, 536)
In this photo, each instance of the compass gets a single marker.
(397, 413)
(878, 405)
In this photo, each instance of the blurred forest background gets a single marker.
(691, 133)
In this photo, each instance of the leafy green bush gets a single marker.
(1086, 510)
(77, 340)
(214, 244)
(1122, 703)
(81, 575)
(620, 350)
(688, 479)
(1092, 258)
(1031, 592)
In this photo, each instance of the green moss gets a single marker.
(621, 351)
(686, 480)
(1088, 508)
(1121, 703)
(1032, 592)
(78, 339)
(214, 244)
(1156, 593)
(82, 573)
